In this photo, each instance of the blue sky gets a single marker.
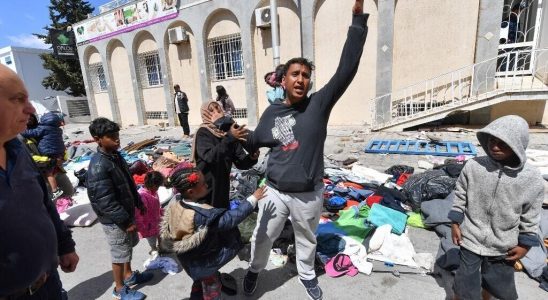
(20, 18)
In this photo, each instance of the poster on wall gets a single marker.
(63, 44)
(125, 19)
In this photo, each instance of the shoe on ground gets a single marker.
(128, 294)
(250, 283)
(228, 284)
(138, 278)
(313, 290)
(56, 194)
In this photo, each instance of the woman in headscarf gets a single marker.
(214, 151)
(224, 99)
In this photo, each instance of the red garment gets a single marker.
(148, 224)
(373, 199)
(403, 178)
(139, 179)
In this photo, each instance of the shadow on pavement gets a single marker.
(92, 288)
(269, 280)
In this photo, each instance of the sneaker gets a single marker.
(56, 194)
(228, 284)
(137, 278)
(128, 294)
(312, 288)
(250, 283)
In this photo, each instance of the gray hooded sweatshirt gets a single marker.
(497, 206)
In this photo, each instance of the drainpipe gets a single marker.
(275, 33)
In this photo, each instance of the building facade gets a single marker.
(133, 52)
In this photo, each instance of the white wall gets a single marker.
(28, 65)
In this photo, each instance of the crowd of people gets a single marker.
(492, 223)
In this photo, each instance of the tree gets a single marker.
(65, 75)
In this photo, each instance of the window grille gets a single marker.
(98, 80)
(156, 115)
(78, 108)
(150, 71)
(240, 113)
(225, 57)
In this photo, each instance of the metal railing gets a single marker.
(513, 71)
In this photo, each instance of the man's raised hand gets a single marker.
(358, 7)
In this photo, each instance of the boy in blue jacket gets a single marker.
(496, 211)
(113, 196)
(49, 137)
(203, 237)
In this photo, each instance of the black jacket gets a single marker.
(49, 135)
(111, 190)
(182, 101)
(214, 157)
(32, 236)
(215, 241)
(296, 134)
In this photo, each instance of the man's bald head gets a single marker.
(8, 77)
(15, 107)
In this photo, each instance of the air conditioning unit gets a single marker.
(263, 17)
(177, 35)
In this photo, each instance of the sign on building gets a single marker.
(64, 45)
(125, 18)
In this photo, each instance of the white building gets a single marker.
(464, 62)
(26, 62)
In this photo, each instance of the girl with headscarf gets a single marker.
(214, 151)
(224, 99)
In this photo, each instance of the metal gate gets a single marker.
(519, 33)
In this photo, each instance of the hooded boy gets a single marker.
(496, 211)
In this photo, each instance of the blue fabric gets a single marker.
(359, 194)
(329, 227)
(275, 93)
(336, 202)
(329, 245)
(222, 243)
(49, 135)
(380, 215)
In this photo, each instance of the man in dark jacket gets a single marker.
(113, 196)
(295, 129)
(182, 109)
(33, 239)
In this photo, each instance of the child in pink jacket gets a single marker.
(148, 223)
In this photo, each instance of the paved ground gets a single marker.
(93, 279)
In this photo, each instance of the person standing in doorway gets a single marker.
(181, 107)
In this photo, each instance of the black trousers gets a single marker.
(495, 274)
(183, 120)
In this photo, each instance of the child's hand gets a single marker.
(255, 155)
(260, 193)
(455, 234)
(516, 253)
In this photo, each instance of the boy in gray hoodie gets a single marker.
(496, 211)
